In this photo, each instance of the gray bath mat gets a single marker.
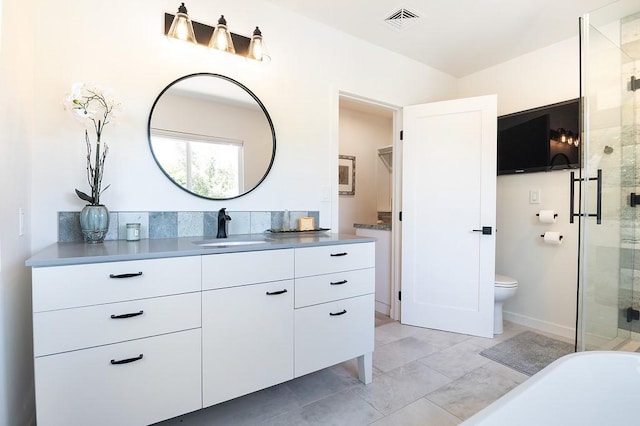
(528, 352)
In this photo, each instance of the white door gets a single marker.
(448, 196)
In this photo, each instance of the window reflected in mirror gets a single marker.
(211, 136)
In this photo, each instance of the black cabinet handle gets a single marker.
(344, 311)
(131, 275)
(339, 282)
(126, 361)
(337, 254)
(133, 314)
(274, 293)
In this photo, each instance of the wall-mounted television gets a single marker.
(540, 139)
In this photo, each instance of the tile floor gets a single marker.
(420, 377)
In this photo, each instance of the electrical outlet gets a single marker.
(534, 196)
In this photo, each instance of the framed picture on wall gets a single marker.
(346, 175)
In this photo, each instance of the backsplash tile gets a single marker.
(181, 224)
(163, 225)
(240, 223)
(210, 224)
(260, 222)
(69, 227)
(190, 224)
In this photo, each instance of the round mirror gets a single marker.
(211, 136)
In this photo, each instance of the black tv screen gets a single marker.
(540, 139)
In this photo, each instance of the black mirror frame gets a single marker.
(255, 98)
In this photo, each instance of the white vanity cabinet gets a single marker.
(247, 323)
(140, 341)
(118, 342)
(334, 303)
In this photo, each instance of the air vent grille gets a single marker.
(402, 19)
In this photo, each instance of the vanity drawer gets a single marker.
(85, 388)
(72, 329)
(322, 339)
(235, 269)
(325, 288)
(336, 258)
(60, 287)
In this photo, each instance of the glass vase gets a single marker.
(94, 223)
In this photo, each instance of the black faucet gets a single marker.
(223, 218)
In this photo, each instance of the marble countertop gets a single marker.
(376, 226)
(59, 254)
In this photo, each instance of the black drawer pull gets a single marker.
(131, 275)
(344, 311)
(338, 254)
(274, 293)
(133, 314)
(126, 361)
(339, 282)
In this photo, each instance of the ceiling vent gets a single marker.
(402, 19)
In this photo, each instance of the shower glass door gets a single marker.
(609, 259)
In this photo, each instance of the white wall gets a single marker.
(119, 44)
(360, 135)
(310, 65)
(546, 297)
(16, 119)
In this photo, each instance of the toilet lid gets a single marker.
(505, 281)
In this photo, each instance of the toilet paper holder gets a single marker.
(560, 237)
(555, 215)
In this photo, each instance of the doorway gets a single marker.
(367, 187)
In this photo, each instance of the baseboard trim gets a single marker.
(548, 327)
(383, 308)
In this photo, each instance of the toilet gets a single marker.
(505, 287)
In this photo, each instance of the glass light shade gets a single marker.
(221, 38)
(257, 50)
(181, 27)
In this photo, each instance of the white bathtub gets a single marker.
(585, 388)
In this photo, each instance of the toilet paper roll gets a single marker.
(553, 238)
(547, 216)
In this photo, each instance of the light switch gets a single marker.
(534, 196)
(20, 222)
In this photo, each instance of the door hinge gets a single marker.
(634, 85)
(632, 314)
(401, 134)
(400, 295)
(400, 217)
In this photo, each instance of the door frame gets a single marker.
(396, 184)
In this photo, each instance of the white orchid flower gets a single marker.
(96, 106)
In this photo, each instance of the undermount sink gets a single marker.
(221, 242)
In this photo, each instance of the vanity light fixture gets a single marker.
(221, 38)
(257, 49)
(179, 26)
